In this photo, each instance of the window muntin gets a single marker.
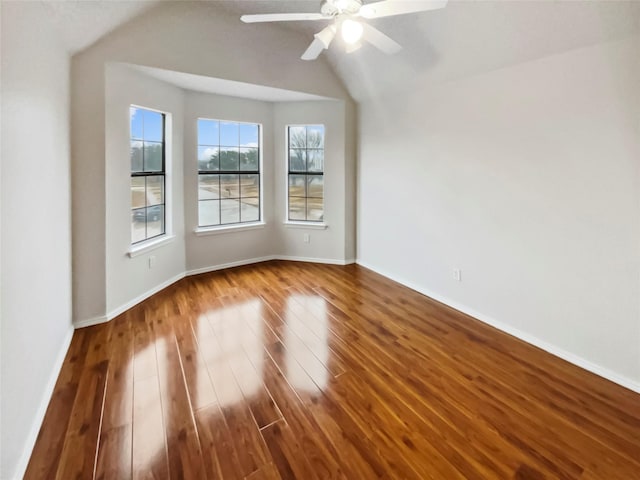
(305, 173)
(148, 204)
(228, 173)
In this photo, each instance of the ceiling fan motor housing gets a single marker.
(332, 8)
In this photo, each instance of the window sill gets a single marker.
(308, 225)
(200, 231)
(140, 249)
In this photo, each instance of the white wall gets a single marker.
(129, 278)
(36, 249)
(527, 179)
(351, 180)
(329, 244)
(206, 251)
(88, 188)
(275, 238)
(191, 37)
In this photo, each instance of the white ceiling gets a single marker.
(465, 38)
(219, 86)
(472, 37)
(83, 22)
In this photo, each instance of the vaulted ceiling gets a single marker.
(465, 38)
(81, 23)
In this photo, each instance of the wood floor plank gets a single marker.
(149, 444)
(504, 386)
(218, 451)
(114, 456)
(529, 448)
(78, 456)
(249, 444)
(354, 419)
(268, 472)
(118, 403)
(149, 447)
(115, 444)
(183, 445)
(321, 453)
(285, 370)
(610, 414)
(145, 363)
(370, 362)
(235, 339)
(45, 457)
(199, 386)
(48, 448)
(287, 453)
(76, 357)
(307, 337)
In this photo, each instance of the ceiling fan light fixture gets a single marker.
(351, 31)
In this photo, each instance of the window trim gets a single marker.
(227, 227)
(317, 224)
(150, 243)
(156, 242)
(312, 225)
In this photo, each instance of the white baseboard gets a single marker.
(90, 322)
(132, 303)
(239, 263)
(328, 261)
(524, 336)
(123, 308)
(38, 418)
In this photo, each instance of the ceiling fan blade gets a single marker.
(321, 42)
(388, 8)
(314, 50)
(379, 40)
(282, 17)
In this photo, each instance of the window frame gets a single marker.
(310, 223)
(141, 244)
(233, 226)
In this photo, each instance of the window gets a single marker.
(228, 173)
(306, 173)
(147, 174)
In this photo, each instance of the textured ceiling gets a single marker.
(82, 22)
(199, 83)
(465, 38)
(468, 38)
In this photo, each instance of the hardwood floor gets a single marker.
(289, 370)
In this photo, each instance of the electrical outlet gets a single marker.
(307, 238)
(152, 261)
(457, 274)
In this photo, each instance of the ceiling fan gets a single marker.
(346, 15)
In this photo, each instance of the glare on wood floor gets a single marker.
(292, 370)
